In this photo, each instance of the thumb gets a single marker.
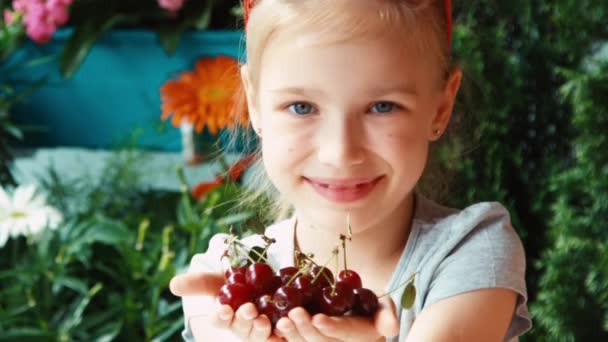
(189, 284)
(386, 321)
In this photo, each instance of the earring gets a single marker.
(437, 131)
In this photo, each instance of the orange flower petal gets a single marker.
(204, 96)
(202, 189)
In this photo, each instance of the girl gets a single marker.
(346, 96)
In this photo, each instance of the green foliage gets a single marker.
(104, 273)
(528, 145)
(574, 286)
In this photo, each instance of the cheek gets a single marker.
(406, 152)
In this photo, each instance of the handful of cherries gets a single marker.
(308, 285)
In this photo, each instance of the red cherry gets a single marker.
(366, 302)
(351, 277)
(274, 284)
(266, 306)
(287, 298)
(337, 301)
(232, 270)
(236, 278)
(235, 295)
(261, 278)
(326, 278)
(286, 273)
(310, 293)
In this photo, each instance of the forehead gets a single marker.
(316, 60)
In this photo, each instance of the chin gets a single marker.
(334, 220)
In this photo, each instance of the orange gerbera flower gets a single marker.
(204, 96)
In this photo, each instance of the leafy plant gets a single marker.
(90, 19)
(104, 274)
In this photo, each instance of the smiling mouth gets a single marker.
(344, 190)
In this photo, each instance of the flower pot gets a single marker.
(113, 99)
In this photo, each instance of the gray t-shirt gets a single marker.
(451, 251)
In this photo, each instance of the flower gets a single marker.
(204, 96)
(171, 5)
(9, 16)
(202, 189)
(233, 174)
(25, 213)
(41, 17)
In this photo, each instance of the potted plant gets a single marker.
(111, 58)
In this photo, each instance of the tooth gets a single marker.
(334, 187)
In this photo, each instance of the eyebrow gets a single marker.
(408, 89)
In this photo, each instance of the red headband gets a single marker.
(248, 5)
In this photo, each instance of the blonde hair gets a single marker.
(420, 21)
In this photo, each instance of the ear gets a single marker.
(254, 116)
(446, 105)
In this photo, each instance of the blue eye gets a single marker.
(301, 108)
(383, 107)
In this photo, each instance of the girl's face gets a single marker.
(345, 127)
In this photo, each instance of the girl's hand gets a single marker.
(245, 323)
(300, 327)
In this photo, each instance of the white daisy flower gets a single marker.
(26, 213)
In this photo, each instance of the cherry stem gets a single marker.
(407, 282)
(334, 255)
(343, 238)
(306, 257)
(249, 250)
(268, 241)
(293, 277)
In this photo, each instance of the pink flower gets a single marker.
(171, 5)
(58, 3)
(9, 16)
(41, 32)
(23, 5)
(57, 12)
(42, 17)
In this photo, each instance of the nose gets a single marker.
(341, 142)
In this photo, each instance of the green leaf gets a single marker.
(26, 334)
(196, 14)
(82, 40)
(109, 232)
(74, 317)
(12, 130)
(408, 297)
(169, 36)
(236, 218)
(71, 283)
(108, 332)
(170, 331)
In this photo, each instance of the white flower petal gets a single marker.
(3, 235)
(23, 195)
(5, 200)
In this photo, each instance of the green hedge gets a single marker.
(536, 97)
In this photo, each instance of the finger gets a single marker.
(288, 330)
(303, 323)
(261, 329)
(346, 328)
(385, 320)
(275, 338)
(243, 320)
(189, 284)
(223, 317)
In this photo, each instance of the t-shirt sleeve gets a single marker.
(209, 261)
(489, 254)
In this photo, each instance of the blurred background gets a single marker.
(115, 167)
